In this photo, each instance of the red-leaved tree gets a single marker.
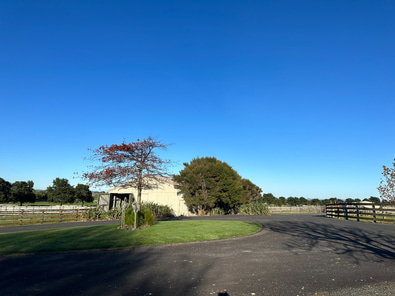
(387, 185)
(135, 164)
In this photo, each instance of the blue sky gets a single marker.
(297, 96)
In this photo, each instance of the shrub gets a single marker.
(254, 208)
(216, 212)
(129, 218)
(149, 217)
(93, 214)
(98, 213)
(114, 214)
(158, 210)
(144, 218)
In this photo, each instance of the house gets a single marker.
(163, 194)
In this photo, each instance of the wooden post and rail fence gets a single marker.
(26, 215)
(364, 211)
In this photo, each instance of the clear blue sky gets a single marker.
(297, 96)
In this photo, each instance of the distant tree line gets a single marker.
(271, 200)
(60, 192)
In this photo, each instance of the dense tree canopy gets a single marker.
(269, 198)
(61, 191)
(135, 164)
(282, 201)
(82, 193)
(5, 190)
(373, 199)
(208, 183)
(22, 191)
(251, 191)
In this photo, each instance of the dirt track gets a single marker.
(292, 255)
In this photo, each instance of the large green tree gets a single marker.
(22, 191)
(207, 183)
(251, 191)
(83, 193)
(5, 190)
(61, 191)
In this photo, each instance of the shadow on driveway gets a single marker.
(362, 241)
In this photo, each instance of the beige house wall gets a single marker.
(164, 194)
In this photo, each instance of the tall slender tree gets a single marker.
(134, 164)
(387, 185)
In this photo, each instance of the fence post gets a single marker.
(345, 211)
(357, 212)
(21, 217)
(42, 217)
(374, 213)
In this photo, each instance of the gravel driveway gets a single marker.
(300, 254)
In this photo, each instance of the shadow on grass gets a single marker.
(89, 237)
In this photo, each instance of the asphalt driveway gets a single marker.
(293, 255)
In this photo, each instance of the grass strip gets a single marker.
(108, 236)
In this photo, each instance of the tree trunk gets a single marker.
(139, 197)
(139, 189)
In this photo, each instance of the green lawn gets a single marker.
(108, 236)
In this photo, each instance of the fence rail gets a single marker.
(14, 215)
(362, 212)
(297, 209)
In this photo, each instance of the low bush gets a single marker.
(129, 218)
(254, 208)
(93, 214)
(98, 213)
(149, 217)
(159, 211)
(144, 218)
(216, 212)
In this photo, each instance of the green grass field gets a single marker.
(108, 236)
